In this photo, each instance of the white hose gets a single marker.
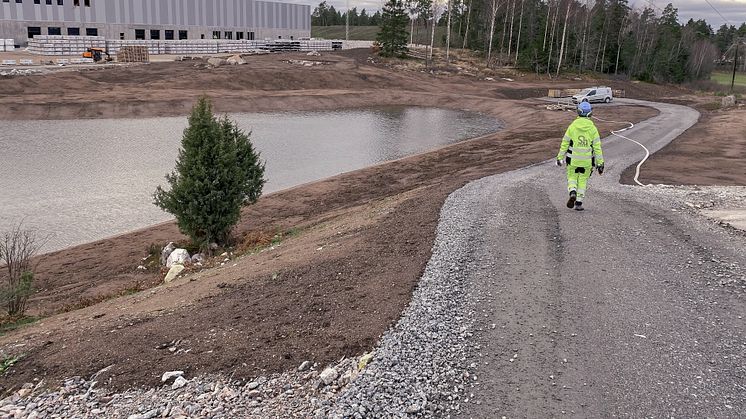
(616, 132)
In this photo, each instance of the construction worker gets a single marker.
(581, 150)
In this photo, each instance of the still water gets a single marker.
(83, 180)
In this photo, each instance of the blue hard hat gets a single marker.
(584, 109)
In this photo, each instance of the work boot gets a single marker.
(579, 206)
(571, 201)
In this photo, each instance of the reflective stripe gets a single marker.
(580, 157)
(580, 149)
(566, 138)
(596, 141)
(599, 156)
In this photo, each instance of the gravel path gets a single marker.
(526, 309)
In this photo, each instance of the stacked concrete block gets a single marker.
(76, 45)
(64, 44)
(7, 45)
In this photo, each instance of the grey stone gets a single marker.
(178, 257)
(173, 273)
(166, 252)
(179, 383)
(328, 375)
(304, 366)
(728, 101)
(171, 374)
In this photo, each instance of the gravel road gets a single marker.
(632, 308)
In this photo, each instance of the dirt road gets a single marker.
(615, 311)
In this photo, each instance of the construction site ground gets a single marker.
(356, 244)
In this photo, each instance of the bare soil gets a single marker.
(360, 240)
(712, 152)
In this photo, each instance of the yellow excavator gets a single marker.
(97, 54)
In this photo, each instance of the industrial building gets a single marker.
(154, 19)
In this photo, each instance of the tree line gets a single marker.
(606, 36)
(326, 15)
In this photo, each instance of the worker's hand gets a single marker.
(600, 169)
(559, 162)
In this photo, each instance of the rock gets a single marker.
(729, 101)
(413, 409)
(253, 394)
(173, 273)
(314, 54)
(171, 374)
(252, 385)
(236, 60)
(364, 360)
(166, 252)
(178, 256)
(216, 62)
(23, 392)
(304, 366)
(179, 383)
(198, 258)
(328, 376)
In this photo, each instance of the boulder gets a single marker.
(216, 62)
(178, 383)
(729, 101)
(166, 252)
(236, 60)
(171, 374)
(328, 376)
(198, 258)
(178, 257)
(173, 273)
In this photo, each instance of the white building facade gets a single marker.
(154, 19)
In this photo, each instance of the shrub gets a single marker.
(217, 172)
(17, 248)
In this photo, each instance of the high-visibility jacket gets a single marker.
(581, 145)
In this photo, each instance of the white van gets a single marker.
(594, 94)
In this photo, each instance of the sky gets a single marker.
(733, 10)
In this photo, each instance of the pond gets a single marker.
(84, 180)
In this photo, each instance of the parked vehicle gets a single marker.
(594, 94)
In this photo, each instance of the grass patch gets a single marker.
(255, 241)
(725, 78)
(7, 363)
(10, 324)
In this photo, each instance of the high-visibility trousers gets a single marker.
(577, 180)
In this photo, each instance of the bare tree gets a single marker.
(436, 11)
(510, 38)
(546, 26)
(495, 5)
(448, 34)
(17, 248)
(468, 19)
(518, 41)
(564, 32)
(551, 41)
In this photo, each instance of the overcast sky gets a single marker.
(733, 10)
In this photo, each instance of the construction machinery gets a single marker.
(97, 54)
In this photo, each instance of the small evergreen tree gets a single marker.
(217, 172)
(393, 35)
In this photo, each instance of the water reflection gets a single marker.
(88, 179)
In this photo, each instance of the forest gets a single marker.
(550, 36)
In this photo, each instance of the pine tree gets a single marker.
(393, 35)
(217, 172)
